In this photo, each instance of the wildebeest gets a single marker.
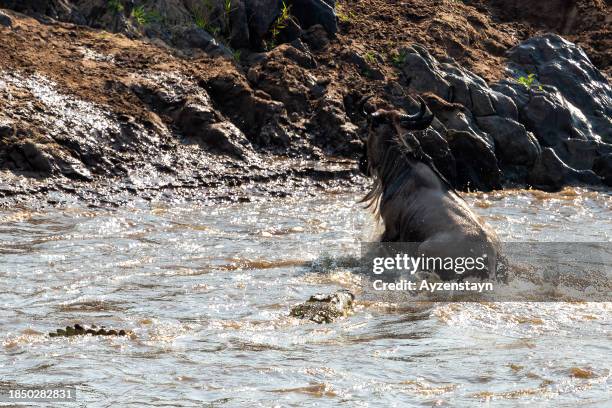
(414, 201)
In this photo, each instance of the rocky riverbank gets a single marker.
(104, 101)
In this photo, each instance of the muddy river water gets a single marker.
(206, 291)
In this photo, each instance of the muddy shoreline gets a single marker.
(260, 185)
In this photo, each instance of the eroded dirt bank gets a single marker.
(161, 109)
(105, 117)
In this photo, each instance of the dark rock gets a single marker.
(481, 102)
(514, 91)
(504, 106)
(312, 12)
(261, 14)
(552, 120)
(513, 144)
(291, 31)
(565, 66)
(581, 154)
(455, 116)
(603, 168)
(550, 173)
(194, 37)
(247, 25)
(421, 72)
(5, 20)
(52, 8)
(569, 113)
(53, 159)
(436, 147)
(325, 308)
(239, 21)
(477, 167)
(467, 89)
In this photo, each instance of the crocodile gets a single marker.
(83, 330)
(322, 308)
(319, 308)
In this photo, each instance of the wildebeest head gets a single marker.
(390, 129)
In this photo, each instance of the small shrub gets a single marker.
(140, 15)
(144, 17)
(115, 6)
(202, 22)
(202, 18)
(279, 24)
(399, 58)
(343, 15)
(370, 57)
(227, 9)
(529, 82)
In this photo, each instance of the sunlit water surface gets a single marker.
(207, 290)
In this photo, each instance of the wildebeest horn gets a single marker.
(418, 121)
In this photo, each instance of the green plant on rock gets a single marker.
(144, 17)
(115, 6)
(279, 24)
(370, 57)
(343, 15)
(204, 24)
(529, 82)
(140, 15)
(202, 18)
(227, 10)
(399, 58)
